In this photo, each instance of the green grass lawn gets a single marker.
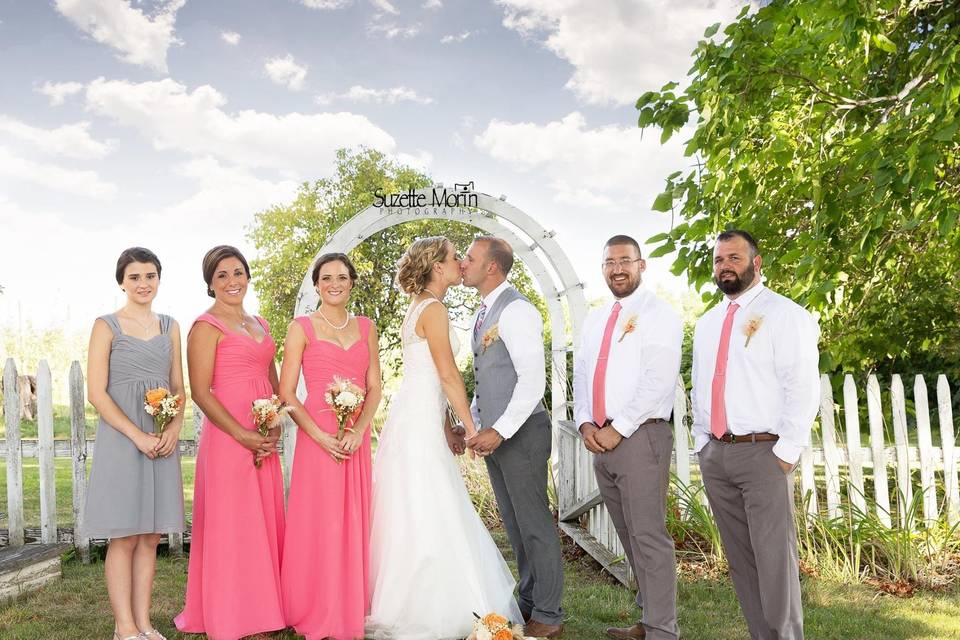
(76, 607)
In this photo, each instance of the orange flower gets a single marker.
(628, 327)
(154, 396)
(503, 634)
(494, 620)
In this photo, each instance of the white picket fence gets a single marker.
(832, 472)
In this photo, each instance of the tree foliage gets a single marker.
(830, 131)
(288, 236)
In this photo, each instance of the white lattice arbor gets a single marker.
(533, 244)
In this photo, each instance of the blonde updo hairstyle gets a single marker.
(416, 265)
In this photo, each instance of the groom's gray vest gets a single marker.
(492, 366)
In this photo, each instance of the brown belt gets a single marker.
(642, 424)
(753, 437)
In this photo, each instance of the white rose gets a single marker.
(347, 399)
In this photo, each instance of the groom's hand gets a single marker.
(608, 437)
(485, 442)
(455, 441)
(589, 432)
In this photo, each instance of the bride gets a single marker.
(433, 563)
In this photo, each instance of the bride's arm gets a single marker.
(436, 329)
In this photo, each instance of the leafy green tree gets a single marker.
(830, 131)
(288, 236)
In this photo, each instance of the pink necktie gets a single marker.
(480, 316)
(600, 373)
(718, 406)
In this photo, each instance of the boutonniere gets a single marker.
(750, 327)
(628, 327)
(490, 336)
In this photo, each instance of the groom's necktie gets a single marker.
(600, 373)
(718, 405)
(480, 316)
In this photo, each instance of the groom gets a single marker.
(514, 435)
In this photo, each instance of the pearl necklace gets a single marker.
(335, 327)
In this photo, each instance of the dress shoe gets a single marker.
(627, 633)
(537, 629)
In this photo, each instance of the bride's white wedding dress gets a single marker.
(432, 561)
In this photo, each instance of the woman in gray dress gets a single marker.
(135, 491)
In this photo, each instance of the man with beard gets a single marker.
(755, 395)
(624, 379)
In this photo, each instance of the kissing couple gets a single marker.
(432, 561)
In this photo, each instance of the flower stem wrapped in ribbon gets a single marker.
(345, 400)
(163, 406)
(266, 415)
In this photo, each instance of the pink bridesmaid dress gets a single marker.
(324, 578)
(233, 583)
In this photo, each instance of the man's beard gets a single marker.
(631, 286)
(740, 281)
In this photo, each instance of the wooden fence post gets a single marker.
(78, 440)
(681, 434)
(904, 486)
(851, 415)
(48, 479)
(831, 456)
(947, 442)
(881, 487)
(11, 408)
(925, 444)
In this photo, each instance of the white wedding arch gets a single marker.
(533, 244)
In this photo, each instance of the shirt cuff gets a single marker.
(624, 427)
(787, 451)
(501, 427)
(700, 440)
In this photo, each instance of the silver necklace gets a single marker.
(335, 327)
(435, 297)
(145, 327)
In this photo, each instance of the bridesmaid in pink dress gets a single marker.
(324, 578)
(233, 584)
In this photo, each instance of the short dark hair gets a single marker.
(621, 239)
(334, 257)
(499, 251)
(730, 234)
(214, 257)
(135, 254)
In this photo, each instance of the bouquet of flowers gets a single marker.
(345, 400)
(494, 626)
(163, 406)
(266, 412)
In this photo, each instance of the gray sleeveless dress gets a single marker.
(129, 493)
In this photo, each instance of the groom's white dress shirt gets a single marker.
(642, 366)
(521, 330)
(773, 381)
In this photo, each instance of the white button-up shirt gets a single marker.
(642, 366)
(773, 382)
(521, 330)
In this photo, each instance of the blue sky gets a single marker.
(169, 124)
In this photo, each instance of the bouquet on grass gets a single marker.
(163, 406)
(494, 626)
(266, 414)
(345, 400)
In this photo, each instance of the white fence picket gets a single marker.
(808, 481)
(851, 415)
(947, 445)
(925, 444)
(831, 456)
(78, 438)
(11, 412)
(48, 479)
(904, 486)
(681, 437)
(880, 484)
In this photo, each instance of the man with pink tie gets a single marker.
(755, 395)
(624, 379)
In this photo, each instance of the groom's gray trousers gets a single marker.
(518, 472)
(633, 479)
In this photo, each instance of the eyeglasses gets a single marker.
(623, 263)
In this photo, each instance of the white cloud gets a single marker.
(195, 122)
(69, 140)
(59, 91)
(140, 39)
(420, 161)
(433, 4)
(326, 4)
(362, 94)
(619, 48)
(385, 6)
(55, 177)
(605, 166)
(230, 37)
(460, 37)
(391, 30)
(285, 71)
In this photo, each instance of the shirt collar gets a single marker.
(491, 297)
(630, 301)
(746, 298)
